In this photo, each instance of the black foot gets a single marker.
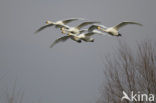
(79, 41)
(119, 34)
(92, 40)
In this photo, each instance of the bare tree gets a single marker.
(128, 71)
(16, 96)
(12, 96)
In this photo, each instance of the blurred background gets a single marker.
(69, 72)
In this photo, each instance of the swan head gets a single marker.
(48, 22)
(99, 28)
(63, 30)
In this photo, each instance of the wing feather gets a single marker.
(89, 34)
(70, 20)
(85, 24)
(94, 32)
(91, 28)
(95, 26)
(43, 27)
(125, 23)
(61, 39)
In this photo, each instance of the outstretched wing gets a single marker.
(94, 32)
(95, 26)
(99, 32)
(61, 39)
(89, 34)
(70, 20)
(43, 27)
(83, 30)
(85, 24)
(125, 23)
(63, 26)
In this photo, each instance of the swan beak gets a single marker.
(62, 29)
(98, 27)
(48, 22)
(63, 32)
(119, 34)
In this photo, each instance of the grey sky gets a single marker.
(69, 72)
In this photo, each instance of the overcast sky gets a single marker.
(70, 72)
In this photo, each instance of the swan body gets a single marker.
(76, 30)
(77, 34)
(83, 36)
(114, 31)
(58, 24)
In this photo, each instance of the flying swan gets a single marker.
(114, 31)
(77, 29)
(58, 24)
(83, 36)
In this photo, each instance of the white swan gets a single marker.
(83, 36)
(58, 24)
(76, 30)
(114, 31)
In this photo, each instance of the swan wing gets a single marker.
(63, 26)
(94, 32)
(89, 34)
(83, 30)
(61, 39)
(71, 19)
(43, 27)
(95, 26)
(99, 32)
(85, 24)
(117, 27)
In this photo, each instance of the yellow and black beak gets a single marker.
(63, 30)
(99, 28)
(48, 22)
(119, 34)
